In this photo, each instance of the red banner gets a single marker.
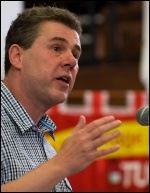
(124, 170)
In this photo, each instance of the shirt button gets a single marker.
(34, 128)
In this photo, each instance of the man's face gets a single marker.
(50, 66)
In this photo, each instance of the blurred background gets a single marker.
(113, 79)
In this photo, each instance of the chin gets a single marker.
(60, 98)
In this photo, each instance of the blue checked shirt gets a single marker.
(23, 146)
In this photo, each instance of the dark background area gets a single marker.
(111, 43)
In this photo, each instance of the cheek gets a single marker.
(74, 76)
(75, 72)
(37, 64)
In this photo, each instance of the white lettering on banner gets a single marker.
(86, 108)
(135, 172)
(129, 108)
(98, 103)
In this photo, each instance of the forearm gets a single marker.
(41, 179)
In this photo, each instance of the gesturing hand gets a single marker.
(80, 149)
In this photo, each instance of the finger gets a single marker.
(105, 139)
(81, 123)
(98, 122)
(101, 152)
(109, 126)
(97, 132)
(107, 151)
(93, 145)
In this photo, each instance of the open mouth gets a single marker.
(64, 79)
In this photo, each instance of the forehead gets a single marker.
(51, 29)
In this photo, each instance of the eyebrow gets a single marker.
(65, 41)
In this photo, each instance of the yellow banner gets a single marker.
(134, 140)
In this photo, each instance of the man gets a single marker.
(41, 63)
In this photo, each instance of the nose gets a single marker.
(69, 60)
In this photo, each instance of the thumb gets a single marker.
(81, 123)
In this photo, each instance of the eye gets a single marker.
(76, 55)
(56, 48)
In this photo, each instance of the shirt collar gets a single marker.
(19, 114)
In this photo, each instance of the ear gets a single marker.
(15, 52)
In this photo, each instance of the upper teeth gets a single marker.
(64, 78)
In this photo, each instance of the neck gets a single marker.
(34, 110)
